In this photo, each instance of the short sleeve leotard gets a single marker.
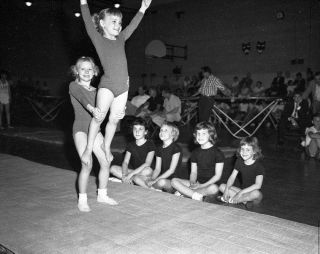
(206, 160)
(166, 154)
(80, 98)
(139, 153)
(111, 53)
(248, 173)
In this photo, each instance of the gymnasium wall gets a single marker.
(42, 42)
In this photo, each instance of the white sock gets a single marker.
(102, 192)
(83, 203)
(197, 196)
(83, 198)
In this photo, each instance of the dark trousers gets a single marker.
(205, 107)
(285, 127)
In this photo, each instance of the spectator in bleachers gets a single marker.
(194, 85)
(234, 87)
(152, 105)
(310, 75)
(312, 140)
(171, 108)
(165, 81)
(287, 77)
(314, 90)
(246, 81)
(299, 83)
(278, 87)
(258, 90)
(295, 116)
(137, 101)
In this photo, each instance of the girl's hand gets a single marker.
(151, 182)
(97, 114)
(127, 179)
(226, 196)
(194, 186)
(236, 198)
(146, 3)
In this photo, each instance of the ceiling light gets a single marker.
(28, 3)
(116, 5)
(77, 14)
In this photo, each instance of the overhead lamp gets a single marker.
(77, 14)
(28, 3)
(116, 5)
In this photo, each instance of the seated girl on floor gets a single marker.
(138, 157)
(168, 159)
(207, 163)
(252, 172)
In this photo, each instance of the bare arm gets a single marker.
(193, 173)
(125, 164)
(90, 28)
(172, 168)
(256, 186)
(147, 163)
(216, 177)
(157, 169)
(127, 32)
(230, 182)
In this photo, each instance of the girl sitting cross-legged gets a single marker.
(207, 163)
(252, 171)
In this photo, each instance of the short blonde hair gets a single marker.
(175, 131)
(74, 68)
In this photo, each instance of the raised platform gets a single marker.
(39, 215)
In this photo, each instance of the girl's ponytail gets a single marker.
(96, 23)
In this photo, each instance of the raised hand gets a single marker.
(145, 4)
(97, 114)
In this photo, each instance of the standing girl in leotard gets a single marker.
(109, 41)
(82, 96)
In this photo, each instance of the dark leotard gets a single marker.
(111, 53)
(80, 98)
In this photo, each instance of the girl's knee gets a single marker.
(147, 171)
(213, 189)
(174, 182)
(113, 120)
(256, 195)
(222, 187)
(161, 183)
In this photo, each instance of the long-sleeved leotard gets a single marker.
(80, 98)
(111, 53)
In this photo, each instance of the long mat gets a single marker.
(39, 215)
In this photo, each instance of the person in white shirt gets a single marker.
(171, 108)
(137, 101)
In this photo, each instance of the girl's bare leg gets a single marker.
(103, 173)
(104, 100)
(182, 186)
(117, 108)
(80, 140)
